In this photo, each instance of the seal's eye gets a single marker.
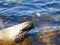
(20, 32)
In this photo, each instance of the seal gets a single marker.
(15, 34)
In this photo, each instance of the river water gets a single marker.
(29, 7)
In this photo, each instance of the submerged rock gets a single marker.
(50, 37)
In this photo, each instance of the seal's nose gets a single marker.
(29, 26)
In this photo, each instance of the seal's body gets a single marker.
(15, 34)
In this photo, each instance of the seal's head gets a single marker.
(21, 35)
